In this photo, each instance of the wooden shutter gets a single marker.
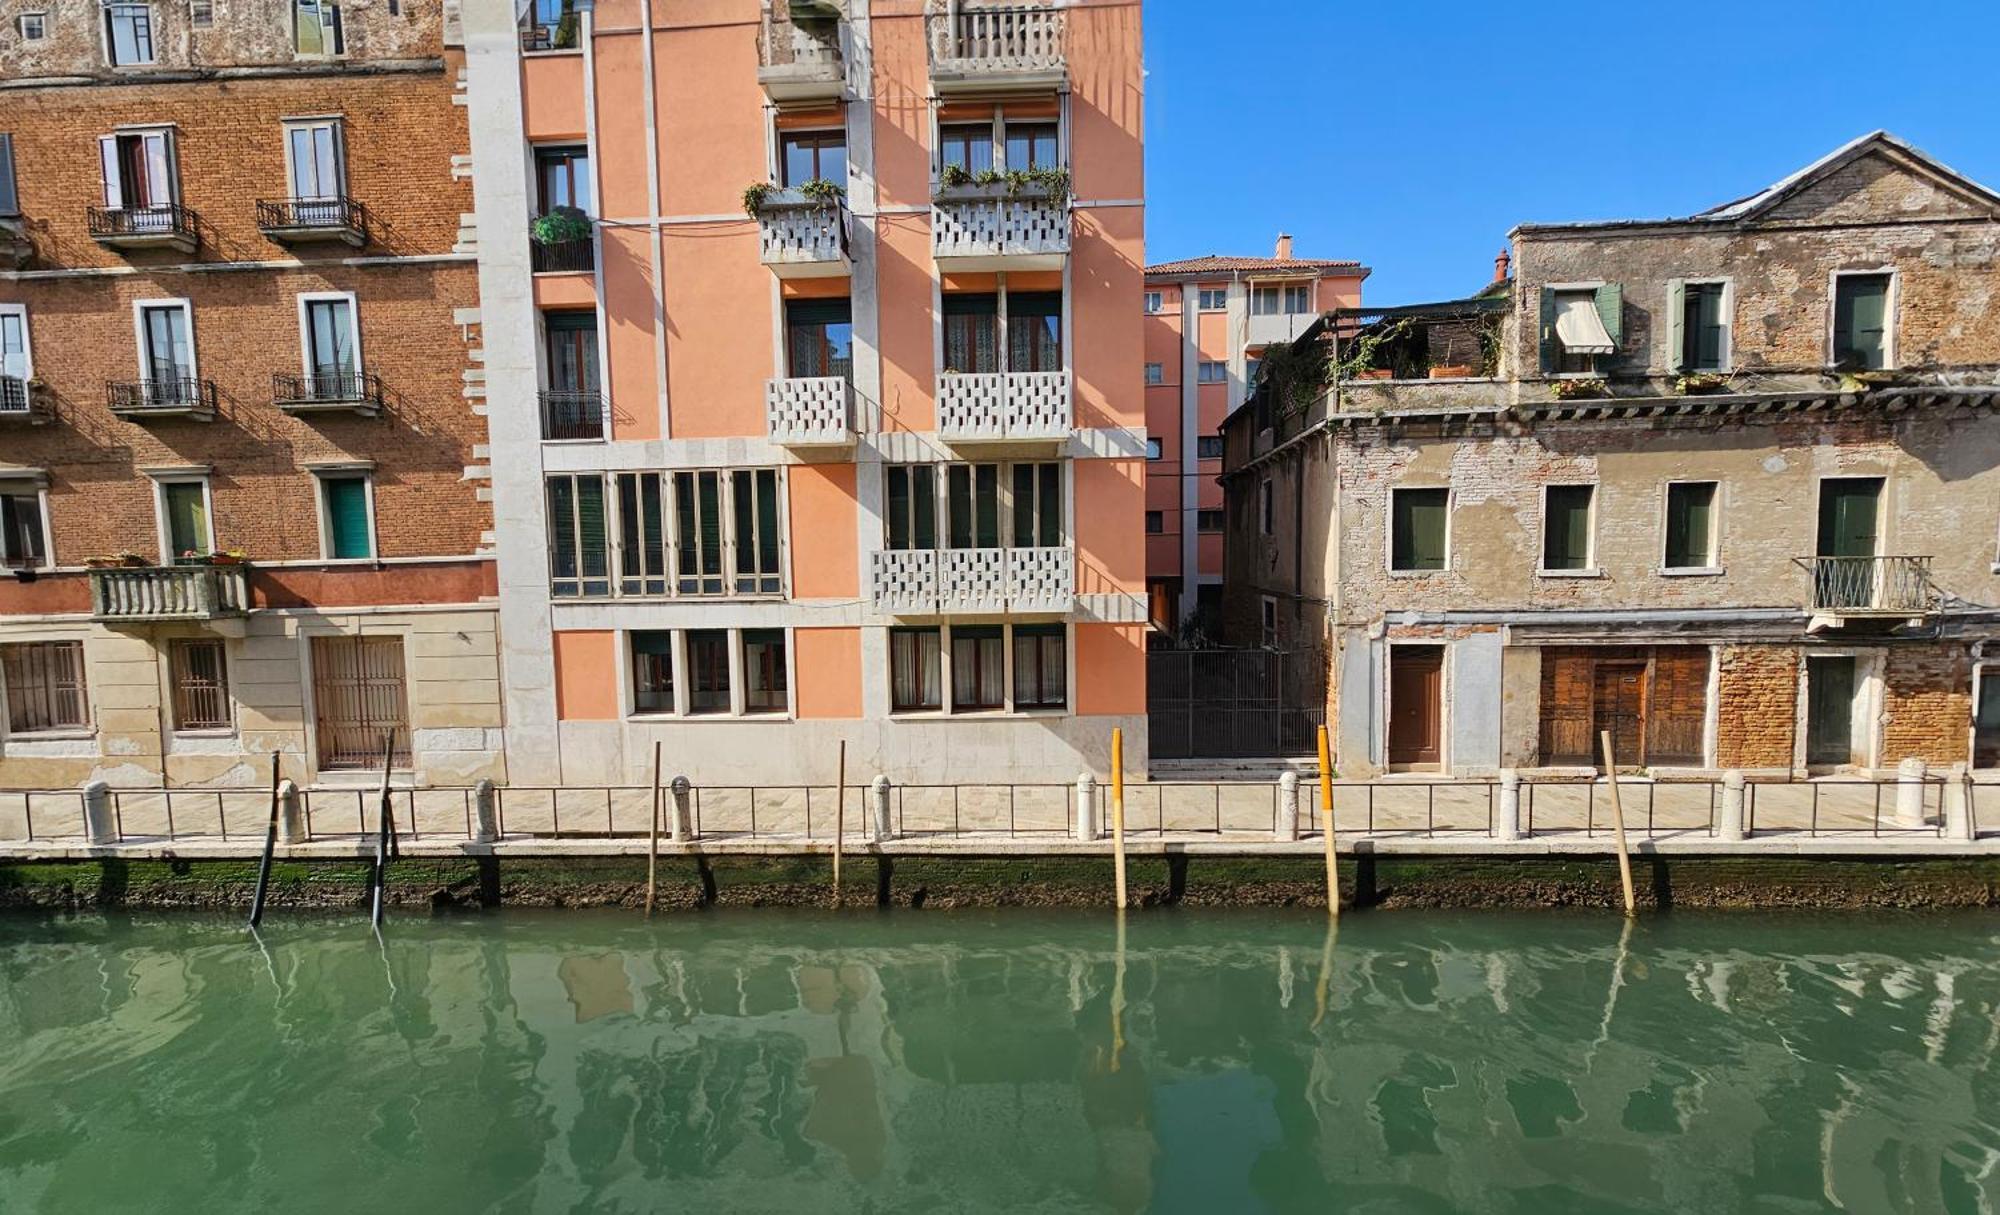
(10, 195)
(1549, 347)
(1677, 705)
(114, 183)
(1567, 676)
(1611, 310)
(347, 535)
(1676, 322)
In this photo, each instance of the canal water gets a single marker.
(938, 1061)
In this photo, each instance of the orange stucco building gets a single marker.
(813, 362)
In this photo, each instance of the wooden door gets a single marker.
(1830, 710)
(1618, 705)
(1416, 705)
(358, 696)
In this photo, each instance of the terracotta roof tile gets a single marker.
(1215, 263)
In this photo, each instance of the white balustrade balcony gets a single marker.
(802, 237)
(169, 592)
(1004, 407)
(982, 228)
(798, 51)
(974, 581)
(809, 411)
(976, 46)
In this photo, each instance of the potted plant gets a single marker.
(952, 176)
(1694, 383)
(232, 556)
(1451, 371)
(1376, 373)
(1582, 388)
(560, 226)
(820, 190)
(754, 195)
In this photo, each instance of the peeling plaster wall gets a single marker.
(241, 34)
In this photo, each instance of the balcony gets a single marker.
(16, 250)
(301, 221)
(169, 227)
(572, 414)
(979, 229)
(1029, 407)
(562, 257)
(802, 237)
(974, 581)
(328, 391)
(811, 411)
(1275, 328)
(996, 46)
(18, 401)
(1850, 587)
(798, 51)
(180, 397)
(169, 592)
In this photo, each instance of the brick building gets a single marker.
(815, 384)
(242, 495)
(1724, 486)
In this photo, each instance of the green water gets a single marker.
(754, 1061)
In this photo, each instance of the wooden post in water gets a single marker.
(839, 817)
(1326, 825)
(270, 844)
(380, 874)
(1118, 811)
(1618, 822)
(653, 836)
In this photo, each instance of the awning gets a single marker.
(1578, 327)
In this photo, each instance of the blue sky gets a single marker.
(1413, 136)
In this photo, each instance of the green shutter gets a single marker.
(1548, 343)
(1566, 531)
(1690, 524)
(1611, 310)
(347, 535)
(1860, 320)
(1417, 536)
(1676, 324)
(187, 518)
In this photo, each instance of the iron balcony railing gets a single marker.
(340, 214)
(15, 400)
(119, 223)
(572, 414)
(562, 257)
(326, 388)
(179, 394)
(1870, 586)
(170, 592)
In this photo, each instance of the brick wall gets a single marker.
(1927, 704)
(1757, 694)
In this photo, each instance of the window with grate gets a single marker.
(44, 687)
(199, 675)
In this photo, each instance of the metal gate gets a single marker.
(1233, 704)
(357, 697)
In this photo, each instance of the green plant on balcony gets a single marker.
(1695, 383)
(823, 192)
(560, 226)
(952, 176)
(1583, 388)
(754, 195)
(1050, 182)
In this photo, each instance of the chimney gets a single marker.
(1501, 265)
(1284, 252)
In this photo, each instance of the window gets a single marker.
(43, 685)
(1212, 299)
(1566, 526)
(1281, 299)
(1156, 523)
(754, 494)
(968, 145)
(359, 694)
(201, 14)
(571, 340)
(1041, 666)
(166, 352)
(1211, 372)
(332, 351)
(1690, 525)
(698, 532)
(1580, 326)
(642, 544)
(17, 366)
(1861, 306)
(915, 670)
(819, 338)
(346, 517)
(1154, 450)
(578, 563)
(316, 28)
(978, 653)
(23, 535)
(1251, 368)
(708, 670)
(562, 178)
(139, 177)
(1266, 508)
(912, 506)
(1208, 520)
(971, 333)
(805, 156)
(972, 505)
(1298, 298)
(1156, 373)
(1031, 145)
(1154, 301)
(1208, 447)
(764, 677)
(652, 670)
(1701, 326)
(1419, 525)
(1038, 505)
(1034, 331)
(1268, 620)
(184, 519)
(128, 34)
(314, 161)
(10, 191)
(33, 26)
(199, 679)
(552, 25)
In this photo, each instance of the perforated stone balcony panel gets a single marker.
(982, 228)
(975, 47)
(1014, 407)
(1041, 579)
(809, 411)
(905, 581)
(973, 580)
(800, 237)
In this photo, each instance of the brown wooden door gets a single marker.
(1416, 708)
(1619, 706)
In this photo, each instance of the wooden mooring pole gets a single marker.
(839, 817)
(1118, 811)
(653, 837)
(1326, 825)
(1618, 822)
(270, 845)
(380, 875)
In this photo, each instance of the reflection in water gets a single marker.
(940, 1061)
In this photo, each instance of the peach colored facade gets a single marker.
(1206, 319)
(829, 430)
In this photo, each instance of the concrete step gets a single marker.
(1263, 770)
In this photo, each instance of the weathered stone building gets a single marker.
(1724, 486)
(242, 483)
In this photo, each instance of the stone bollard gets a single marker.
(880, 790)
(1910, 793)
(1507, 811)
(486, 813)
(291, 814)
(1086, 807)
(100, 824)
(1287, 826)
(1958, 804)
(1729, 811)
(682, 822)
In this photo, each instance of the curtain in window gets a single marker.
(652, 671)
(187, 517)
(1034, 331)
(1041, 676)
(330, 334)
(971, 334)
(315, 162)
(976, 657)
(915, 669)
